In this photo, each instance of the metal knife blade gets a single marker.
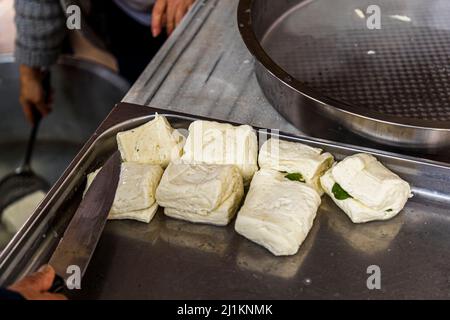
(84, 230)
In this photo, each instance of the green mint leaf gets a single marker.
(295, 176)
(340, 193)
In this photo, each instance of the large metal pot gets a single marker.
(265, 24)
(84, 95)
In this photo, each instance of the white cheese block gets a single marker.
(135, 194)
(201, 193)
(136, 188)
(221, 143)
(375, 192)
(89, 179)
(277, 213)
(18, 212)
(294, 157)
(155, 142)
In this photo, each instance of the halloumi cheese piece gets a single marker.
(364, 189)
(201, 193)
(212, 142)
(155, 142)
(135, 194)
(294, 157)
(144, 215)
(277, 213)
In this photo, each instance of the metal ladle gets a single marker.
(24, 181)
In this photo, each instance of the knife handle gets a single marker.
(58, 284)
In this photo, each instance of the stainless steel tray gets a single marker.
(317, 60)
(174, 259)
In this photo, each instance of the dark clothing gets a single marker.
(6, 294)
(130, 42)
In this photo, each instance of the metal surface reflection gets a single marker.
(367, 238)
(200, 237)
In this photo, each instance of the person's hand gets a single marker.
(168, 13)
(35, 286)
(32, 92)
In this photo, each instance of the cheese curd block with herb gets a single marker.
(201, 193)
(296, 159)
(277, 213)
(155, 142)
(365, 189)
(212, 142)
(135, 194)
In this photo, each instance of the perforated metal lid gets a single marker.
(401, 69)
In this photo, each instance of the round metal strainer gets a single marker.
(387, 61)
